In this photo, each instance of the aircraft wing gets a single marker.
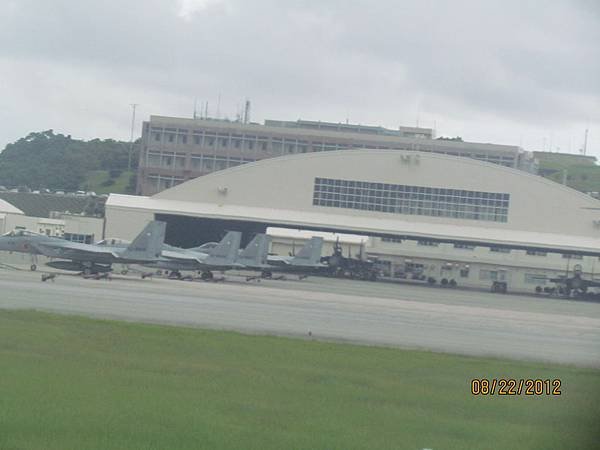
(72, 250)
(591, 283)
(183, 256)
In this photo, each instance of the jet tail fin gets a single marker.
(226, 251)
(148, 244)
(310, 254)
(256, 252)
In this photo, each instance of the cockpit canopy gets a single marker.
(207, 246)
(113, 242)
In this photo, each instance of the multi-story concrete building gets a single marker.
(178, 149)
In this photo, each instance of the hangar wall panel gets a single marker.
(125, 223)
(536, 204)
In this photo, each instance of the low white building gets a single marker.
(8, 215)
(446, 217)
(73, 226)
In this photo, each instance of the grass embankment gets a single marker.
(99, 181)
(75, 383)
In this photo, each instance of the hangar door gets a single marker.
(186, 232)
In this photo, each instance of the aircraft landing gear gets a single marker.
(207, 275)
(175, 275)
(34, 261)
(499, 287)
(266, 274)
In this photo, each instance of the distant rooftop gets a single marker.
(40, 205)
(565, 156)
(6, 207)
(306, 125)
(352, 128)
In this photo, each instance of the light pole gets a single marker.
(133, 107)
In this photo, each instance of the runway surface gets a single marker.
(455, 321)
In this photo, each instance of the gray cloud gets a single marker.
(505, 71)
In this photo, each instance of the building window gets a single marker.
(196, 163)
(536, 253)
(533, 278)
(428, 243)
(162, 182)
(464, 272)
(412, 200)
(395, 240)
(179, 161)
(567, 256)
(500, 249)
(80, 238)
(209, 140)
(488, 275)
(464, 247)
(153, 159)
(277, 146)
(167, 159)
(220, 163)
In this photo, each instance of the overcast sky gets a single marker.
(507, 71)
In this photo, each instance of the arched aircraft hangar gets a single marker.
(392, 196)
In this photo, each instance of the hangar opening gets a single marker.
(186, 231)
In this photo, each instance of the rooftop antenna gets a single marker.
(206, 110)
(195, 107)
(247, 112)
(219, 106)
(585, 139)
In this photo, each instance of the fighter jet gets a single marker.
(306, 261)
(87, 258)
(219, 256)
(576, 284)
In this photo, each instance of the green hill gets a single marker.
(581, 172)
(55, 161)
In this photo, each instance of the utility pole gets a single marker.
(133, 107)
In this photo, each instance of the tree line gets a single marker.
(45, 160)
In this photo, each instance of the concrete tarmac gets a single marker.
(446, 320)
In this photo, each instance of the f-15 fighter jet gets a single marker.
(87, 258)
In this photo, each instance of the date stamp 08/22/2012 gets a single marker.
(512, 386)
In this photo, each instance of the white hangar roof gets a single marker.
(389, 192)
(6, 207)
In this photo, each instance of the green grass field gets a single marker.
(96, 178)
(76, 383)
